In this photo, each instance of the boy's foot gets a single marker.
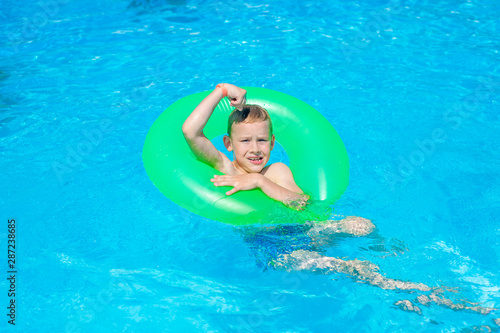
(442, 301)
(406, 305)
(356, 226)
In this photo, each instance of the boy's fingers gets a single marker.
(222, 182)
(238, 102)
(234, 190)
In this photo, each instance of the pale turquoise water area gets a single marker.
(412, 88)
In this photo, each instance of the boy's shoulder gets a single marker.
(277, 171)
(226, 165)
(278, 166)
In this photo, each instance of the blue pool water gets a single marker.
(412, 87)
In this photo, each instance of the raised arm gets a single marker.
(193, 127)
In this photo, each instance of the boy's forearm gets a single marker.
(197, 120)
(279, 193)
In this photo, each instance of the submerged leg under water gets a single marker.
(308, 258)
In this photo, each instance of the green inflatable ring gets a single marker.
(318, 160)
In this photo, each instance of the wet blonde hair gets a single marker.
(249, 114)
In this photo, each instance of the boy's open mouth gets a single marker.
(256, 160)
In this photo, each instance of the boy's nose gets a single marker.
(254, 147)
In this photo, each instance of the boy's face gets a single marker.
(251, 144)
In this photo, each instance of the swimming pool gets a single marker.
(411, 86)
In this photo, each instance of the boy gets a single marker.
(251, 140)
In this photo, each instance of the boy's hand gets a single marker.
(239, 182)
(236, 95)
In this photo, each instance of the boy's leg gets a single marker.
(366, 271)
(320, 232)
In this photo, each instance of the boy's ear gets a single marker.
(272, 142)
(227, 143)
